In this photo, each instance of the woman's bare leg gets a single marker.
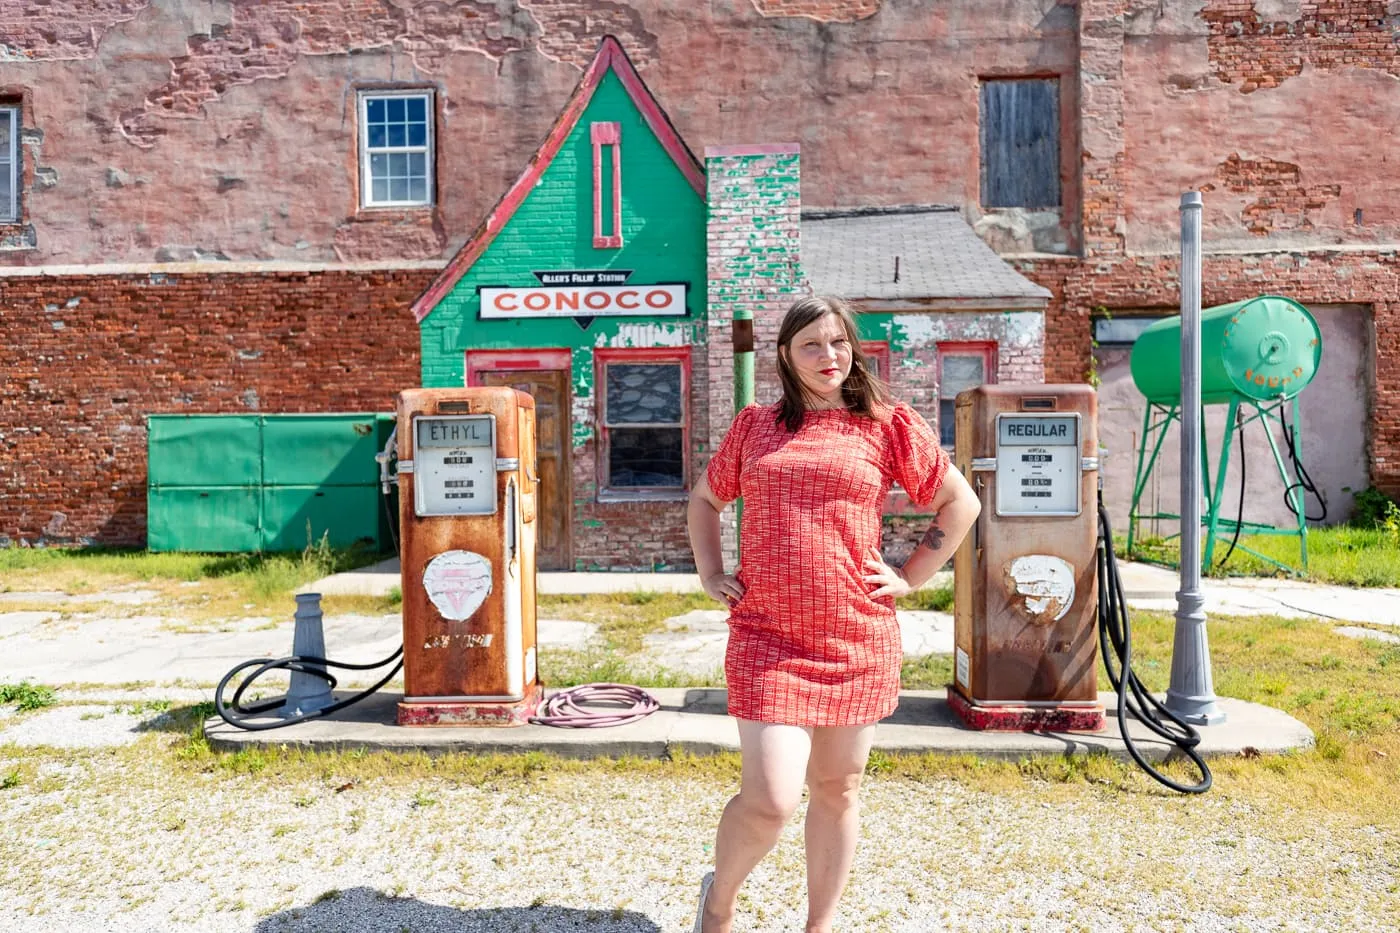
(775, 764)
(834, 771)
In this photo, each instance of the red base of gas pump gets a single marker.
(1026, 718)
(449, 713)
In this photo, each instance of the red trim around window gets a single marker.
(986, 348)
(602, 356)
(878, 350)
(505, 360)
(607, 134)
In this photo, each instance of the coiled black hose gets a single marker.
(240, 717)
(1115, 631)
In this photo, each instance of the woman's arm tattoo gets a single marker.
(933, 538)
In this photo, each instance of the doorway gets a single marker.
(544, 375)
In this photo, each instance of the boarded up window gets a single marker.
(1020, 133)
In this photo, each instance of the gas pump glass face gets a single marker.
(455, 465)
(1038, 464)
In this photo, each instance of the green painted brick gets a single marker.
(664, 237)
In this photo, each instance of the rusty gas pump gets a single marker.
(1026, 603)
(467, 501)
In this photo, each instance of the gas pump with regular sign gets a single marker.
(467, 501)
(1025, 580)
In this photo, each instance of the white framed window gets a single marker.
(9, 164)
(396, 149)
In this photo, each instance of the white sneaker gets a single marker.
(705, 883)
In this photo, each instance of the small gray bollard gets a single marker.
(307, 693)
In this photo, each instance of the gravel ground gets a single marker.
(135, 839)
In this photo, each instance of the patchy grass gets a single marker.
(931, 672)
(623, 618)
(203, 589)
(936, 598)
(26, 696)
(86, 569)
(1341, 554)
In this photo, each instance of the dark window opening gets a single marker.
(1019, 128)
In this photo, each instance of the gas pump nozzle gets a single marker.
(382, 458)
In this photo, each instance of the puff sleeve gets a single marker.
(723, 470)
(917, 461)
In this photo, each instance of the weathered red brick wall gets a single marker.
(181, 131)
(1255, 52)
(1284, 113)
(753, 242)
(86, 358)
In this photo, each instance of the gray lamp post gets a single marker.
(1191, 694)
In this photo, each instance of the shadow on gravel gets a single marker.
(364, 910)
(177, 718)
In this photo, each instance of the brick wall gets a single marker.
(1254, 52)
(87, 357)
(1020, 340)
(753, 246)
(1319, 277)
(1282, 201)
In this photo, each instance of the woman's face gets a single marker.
(820, 357)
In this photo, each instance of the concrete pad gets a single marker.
(34, 596)
(20, 623)
(565, 633)
(924, 632)
(695, 719)
(693, 642)
(1368, 634)
(119, 597)
(1376, 605)
(1148, 581)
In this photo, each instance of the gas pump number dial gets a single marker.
(455, 464)
(1038, 465)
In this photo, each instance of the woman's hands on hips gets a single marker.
(723, 587)
(889, 581)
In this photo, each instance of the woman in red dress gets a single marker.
(814, 650)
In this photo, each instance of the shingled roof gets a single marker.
(926, 256)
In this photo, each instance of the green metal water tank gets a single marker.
(1264, 348)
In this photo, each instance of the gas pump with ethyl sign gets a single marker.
(467, 501)
(1026, 604)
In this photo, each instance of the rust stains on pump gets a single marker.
(467, 509)
(1040, 586)
(1025, 600)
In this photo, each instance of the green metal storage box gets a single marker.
(191, 518)
(204, 450)
(349, 514)
(220, 483)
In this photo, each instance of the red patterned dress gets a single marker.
(807, 644)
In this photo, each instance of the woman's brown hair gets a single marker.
(863, 392)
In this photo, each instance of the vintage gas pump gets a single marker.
(467, 500)
(1025, 651)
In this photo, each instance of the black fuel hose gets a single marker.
(1115, 630)
(241, 717)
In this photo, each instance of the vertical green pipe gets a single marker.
(1213, 520)
(743, 372)
(1139, 481)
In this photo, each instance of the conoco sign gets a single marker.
(584, 301)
